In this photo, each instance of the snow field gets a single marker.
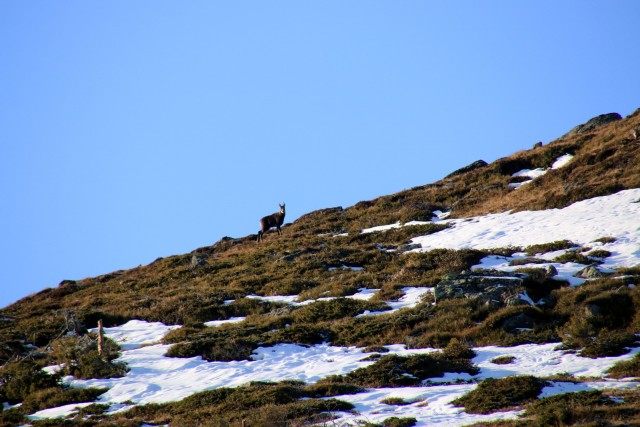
(154, 378)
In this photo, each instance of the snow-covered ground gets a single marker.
(583, 223)
(536, 173)
(411, 298)
(155, 378)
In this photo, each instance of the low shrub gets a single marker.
(599, 253)
(576, 257)
(93, 409)
(527, 260)
(19, 379)
(400, 371)
(12, 417)
(299, 334)
(376, 349)
(457, 350)
(259, 403)
(335, 309)
(399, 422)
(599, 318)
(609, 344)
(543, 248)
(214, 350)
(565, 409)
(605, 240)
(55, 396)
(329, 389)
(395, 401)
(79, 357)
(503, 360)
(626, 368)
(499, 394)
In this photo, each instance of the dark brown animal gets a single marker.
(273, 220)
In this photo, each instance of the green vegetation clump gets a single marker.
(55, 396)
(25, 382)
(527, 260)
(501, 394)
(214, 350)
(339, 308)
(543, 248)
(626, 369)
(503, 360)
(18, 380)
(399, 422)
(609, 344)
(575, 256)
(395, 401)
(79, 357)
(404, 371)
(566, 409)
(259, 404)
(605, 240)
(599, 253)
(601, 318)
(392, 422)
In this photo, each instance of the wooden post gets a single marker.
(100, 339)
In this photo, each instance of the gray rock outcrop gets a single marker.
(590, 272)
(487, 286)
(594, 123)
(197, 261)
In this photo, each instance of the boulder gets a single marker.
(551, 271)
(594, 123)
(409, 247)
(592, 310)
(517, 322)
(487, 286)
(590, 272)
(197, 261)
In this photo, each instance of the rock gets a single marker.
(592, 310)
(551, 271)
(590, 272)
(537, 144)
(594, 123)
(546, 301)
(409, 247)
(637, 111)
(516, 322)
(514, 300)
(487, 286)
(281, 311)
(475, 165)
(198, 261)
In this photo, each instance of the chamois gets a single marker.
(273, 220)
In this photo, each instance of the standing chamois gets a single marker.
(273, 220)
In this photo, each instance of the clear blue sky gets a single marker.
(132, 130)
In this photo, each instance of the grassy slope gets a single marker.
(172, 291)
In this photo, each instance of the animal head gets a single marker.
(281, 208)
